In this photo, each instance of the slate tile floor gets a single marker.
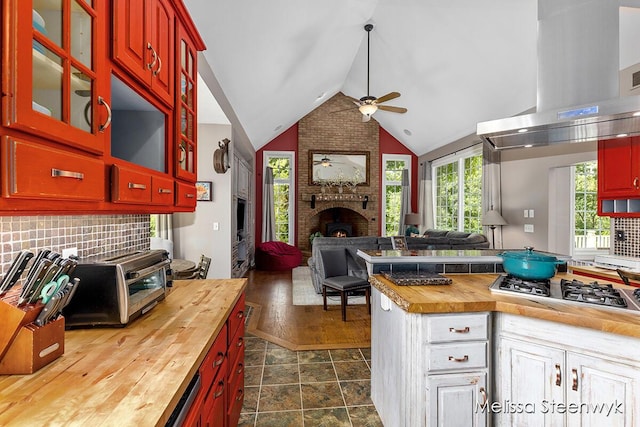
(306, 388)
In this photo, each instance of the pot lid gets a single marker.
(528, 255)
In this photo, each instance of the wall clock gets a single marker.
(221, 156)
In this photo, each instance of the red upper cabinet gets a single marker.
(143, 43)
(619, 167)
(55, 83)
(186, 107)
(619, 176)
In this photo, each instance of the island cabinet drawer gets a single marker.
(458, 327)
(33, 171)
(458, 356)
(130, 186)
(214, 358)
(236, 318)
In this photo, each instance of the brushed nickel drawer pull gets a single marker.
(134, 186)
(240, 368)
(483, 392)
(190, 195)
(635, 182)
(240, 342)
(219, 360)
(164, 191)
(460, 331)
(574, 379)
(558, 375)
(220, 390)
(59, 173)
(459, 359)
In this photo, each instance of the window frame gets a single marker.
(291, 155)
(458, 157)
(383, 185)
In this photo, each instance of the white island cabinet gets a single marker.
(429, 369)
(549, 374)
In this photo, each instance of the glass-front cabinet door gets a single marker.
(186, 112)
(57, 86)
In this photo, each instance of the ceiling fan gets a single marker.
(370, 104)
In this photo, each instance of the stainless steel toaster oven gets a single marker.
(114, 291)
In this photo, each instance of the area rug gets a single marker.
(305, 294)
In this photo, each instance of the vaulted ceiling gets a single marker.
(455, 63)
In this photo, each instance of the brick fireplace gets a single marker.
(337, 125)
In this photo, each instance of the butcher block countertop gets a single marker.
(131, 376)
(470, 293)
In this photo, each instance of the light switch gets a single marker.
(528, 228)
(216, 226)
(530, 213)
(526, 213)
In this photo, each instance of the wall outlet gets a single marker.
(620, 237)
(66, 253)
(526, 213)
(528, 228)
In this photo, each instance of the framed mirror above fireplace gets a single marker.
(338, 168)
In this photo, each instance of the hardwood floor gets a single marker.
(276, 319)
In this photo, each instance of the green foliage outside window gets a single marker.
(587, 221)
(393, 195)
(281, 184)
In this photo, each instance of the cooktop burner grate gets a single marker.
(531, 287)
(592, 293)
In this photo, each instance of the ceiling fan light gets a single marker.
(368, 109)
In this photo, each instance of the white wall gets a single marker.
(538, 179)
(193, 232)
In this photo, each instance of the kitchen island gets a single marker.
(131, 376)
(458, 353)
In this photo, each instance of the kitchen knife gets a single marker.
(68, 292)
(48, 310)
(41, 254)
(34, 280)
(15, 271)
(47, 278)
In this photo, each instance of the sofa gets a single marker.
(431, 239)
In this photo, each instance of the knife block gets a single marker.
(25, 347)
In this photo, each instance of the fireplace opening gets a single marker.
(339, 229)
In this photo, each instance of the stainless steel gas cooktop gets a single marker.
(594, 294)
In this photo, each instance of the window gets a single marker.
(283, 167)
(393, 164)
(591, 233)
(457, 191)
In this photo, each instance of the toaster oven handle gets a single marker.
(134, 274)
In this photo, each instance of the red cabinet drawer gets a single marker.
(236, 398)
(33, 171)
(235, 347)
(130, 186)
(213, 410)
(162, 191)
(186, 195)
(214, 359)
(236, 318)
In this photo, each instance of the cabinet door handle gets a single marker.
(459, 359)
(134, 186)
(460, 331)
(66, 174)
(574, 379)
(558, 375)
(106, 124)
(483, 392)
(635, 182)
(154, 56)
(157, 70)
(240, 368)
(164, 191)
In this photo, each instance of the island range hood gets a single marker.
(578, 88)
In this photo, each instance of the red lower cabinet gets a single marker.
(221, 395)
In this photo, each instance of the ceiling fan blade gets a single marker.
(392, 109)
(388, 97)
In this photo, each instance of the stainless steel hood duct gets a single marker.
(578, 88)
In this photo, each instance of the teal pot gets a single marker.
(529, 265)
